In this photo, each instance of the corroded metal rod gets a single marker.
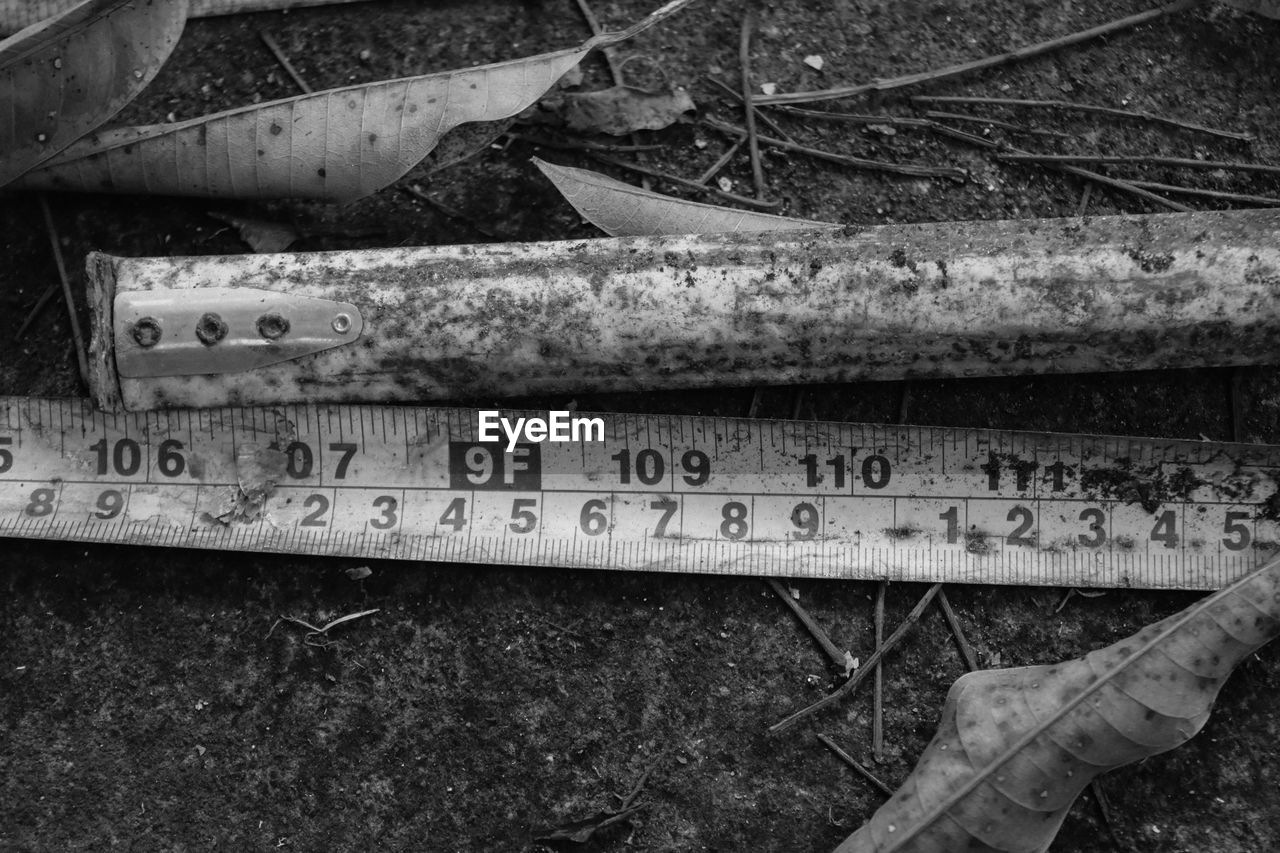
(455, 322)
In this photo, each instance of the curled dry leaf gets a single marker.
(621, 210)
(622, 109)
(336, 145)
(62, 78)
(1016, 746)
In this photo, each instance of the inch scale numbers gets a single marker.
(656, 493)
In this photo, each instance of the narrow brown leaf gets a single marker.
(63, 77)
(1016, 746)
(621, 210)
(17, 14)
(336, 145)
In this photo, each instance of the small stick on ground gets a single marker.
(877, 704)
(867, 667)
(578, 145)
(748, 108)
(453, 213)
(685, 182)
(844, 159)
(1114, 183)
(854, 118)
(1085, 198)
(50, 292)
(635, 792)
(1071, 106)
(321, 631)
(966, 650)
(721, 163)
(615, 68)
(834, 652)
(1027, 52)
(760, 116)
(284, 61)
(82, 352)
(1142, 160)
(995, 122)
(857, 766)
(1265, 201)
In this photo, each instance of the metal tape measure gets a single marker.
(645, 492)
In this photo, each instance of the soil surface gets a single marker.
(150, 701)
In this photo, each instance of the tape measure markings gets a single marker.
(797, 498)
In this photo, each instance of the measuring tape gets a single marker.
(644, 492)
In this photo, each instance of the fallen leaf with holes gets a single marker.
(336, 145)
(263, 237)
(1016, 746)
(63, 77)
(622, 210)
(621, 110)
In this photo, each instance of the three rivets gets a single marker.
(211, 328)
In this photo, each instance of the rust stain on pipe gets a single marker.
(892, 302)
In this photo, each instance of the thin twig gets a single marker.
(82, 352)
(862, 671)
(748, 107)
(721, 163)
(980, 64)
(1263, 200)
(834, 652)
(284, 61)
(615, 71)
(453, 213)
(1114, 183)
(857, 766)
(844, 159)
(615, 68)
(579, 146)
(995, 122)
(855, 118)
(50, 292)
(639, 786)
(760, 116)
(685, 182)
(957, 631)
(1084, 108)
(1084, 199)
(1142, 160)
(877, 702)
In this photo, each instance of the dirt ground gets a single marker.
(146, 704)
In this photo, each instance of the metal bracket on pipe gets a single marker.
(214, 330)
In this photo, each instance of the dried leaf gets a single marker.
(359, 573)
(62, 78)
(1016, 746)
(622, 210)
(622, 109)
(336, 145)
(263, 237)
(16, 14)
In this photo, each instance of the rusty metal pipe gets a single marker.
(455, 322)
